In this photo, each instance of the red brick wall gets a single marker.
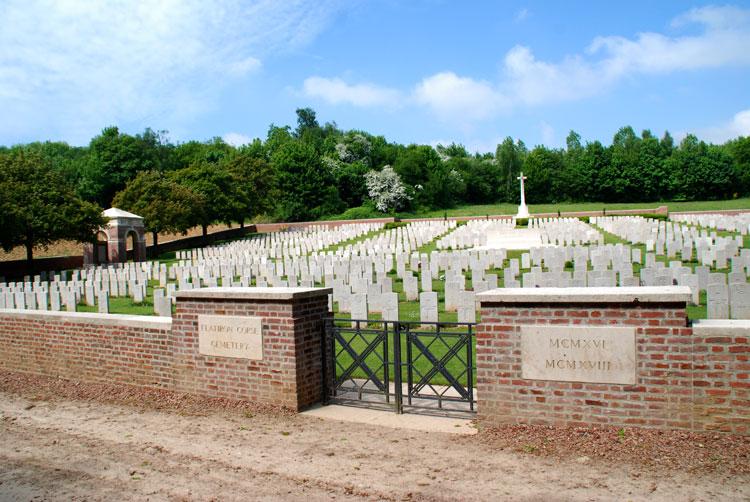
(684, 380)
(290, 373)
(164, 353)
(721, 388)
(128, 350)
(659, 398)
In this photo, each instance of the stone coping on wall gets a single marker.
(136, 321)
(642, 294)
(721, 326)
(252, 293)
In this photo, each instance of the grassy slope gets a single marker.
(495, 209)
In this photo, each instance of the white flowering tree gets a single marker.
(354, 147)
(386, 189)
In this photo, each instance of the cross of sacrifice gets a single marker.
(523, 196)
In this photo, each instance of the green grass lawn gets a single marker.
(511, 209)
(126, 305)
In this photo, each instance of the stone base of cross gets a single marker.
(523, 210)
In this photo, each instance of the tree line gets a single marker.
(319, 171)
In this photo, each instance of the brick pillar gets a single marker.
(549, 356)
(285, 368)
(721, 382)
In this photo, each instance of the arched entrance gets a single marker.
(101, 252)
(134, 246)
(122, 238)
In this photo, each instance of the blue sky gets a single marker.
(417, 71)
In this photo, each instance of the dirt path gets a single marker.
(62, 449)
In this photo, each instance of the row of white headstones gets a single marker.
(358, 271)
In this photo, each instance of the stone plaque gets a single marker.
(231, 336)
(578, 354)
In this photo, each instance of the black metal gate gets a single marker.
(401, 365)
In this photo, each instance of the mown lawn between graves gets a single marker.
(601, 207)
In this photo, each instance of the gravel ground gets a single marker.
(639, 449)
(64, 440)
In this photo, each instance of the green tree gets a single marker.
(444, 188)
(655, 183)
(354, 147)
(700, 172)
(383, 153)
(255, 149)
(350, 182)
(510, 157)
(624, 179)
(305, 185)
(308, 130)
(414, 166)
(276, 138)
(37, 206)
(666, 144)
(216, 189)
(575, 180)
(253, 185)
(166, 206)
(480, 177)
(214, 151)
(452, 151)
(740, 149)
(64, 159)
(542, 168)
(114, 158)
(156, 146)
(596, 161)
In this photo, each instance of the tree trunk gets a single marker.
(205, 230)
(156, 244)
(29, 258)
(242, 224)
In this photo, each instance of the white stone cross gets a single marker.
(523, 195)
(523, 211)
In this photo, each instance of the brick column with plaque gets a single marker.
(585, 357)
(257, 344)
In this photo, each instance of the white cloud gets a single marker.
(723, 40)
(714, 17)
(336, 91)
(452, 98)
(83, 65)
(459, 98)
(531, 82)
(237, 139)
(738, 126)
(522, 14)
